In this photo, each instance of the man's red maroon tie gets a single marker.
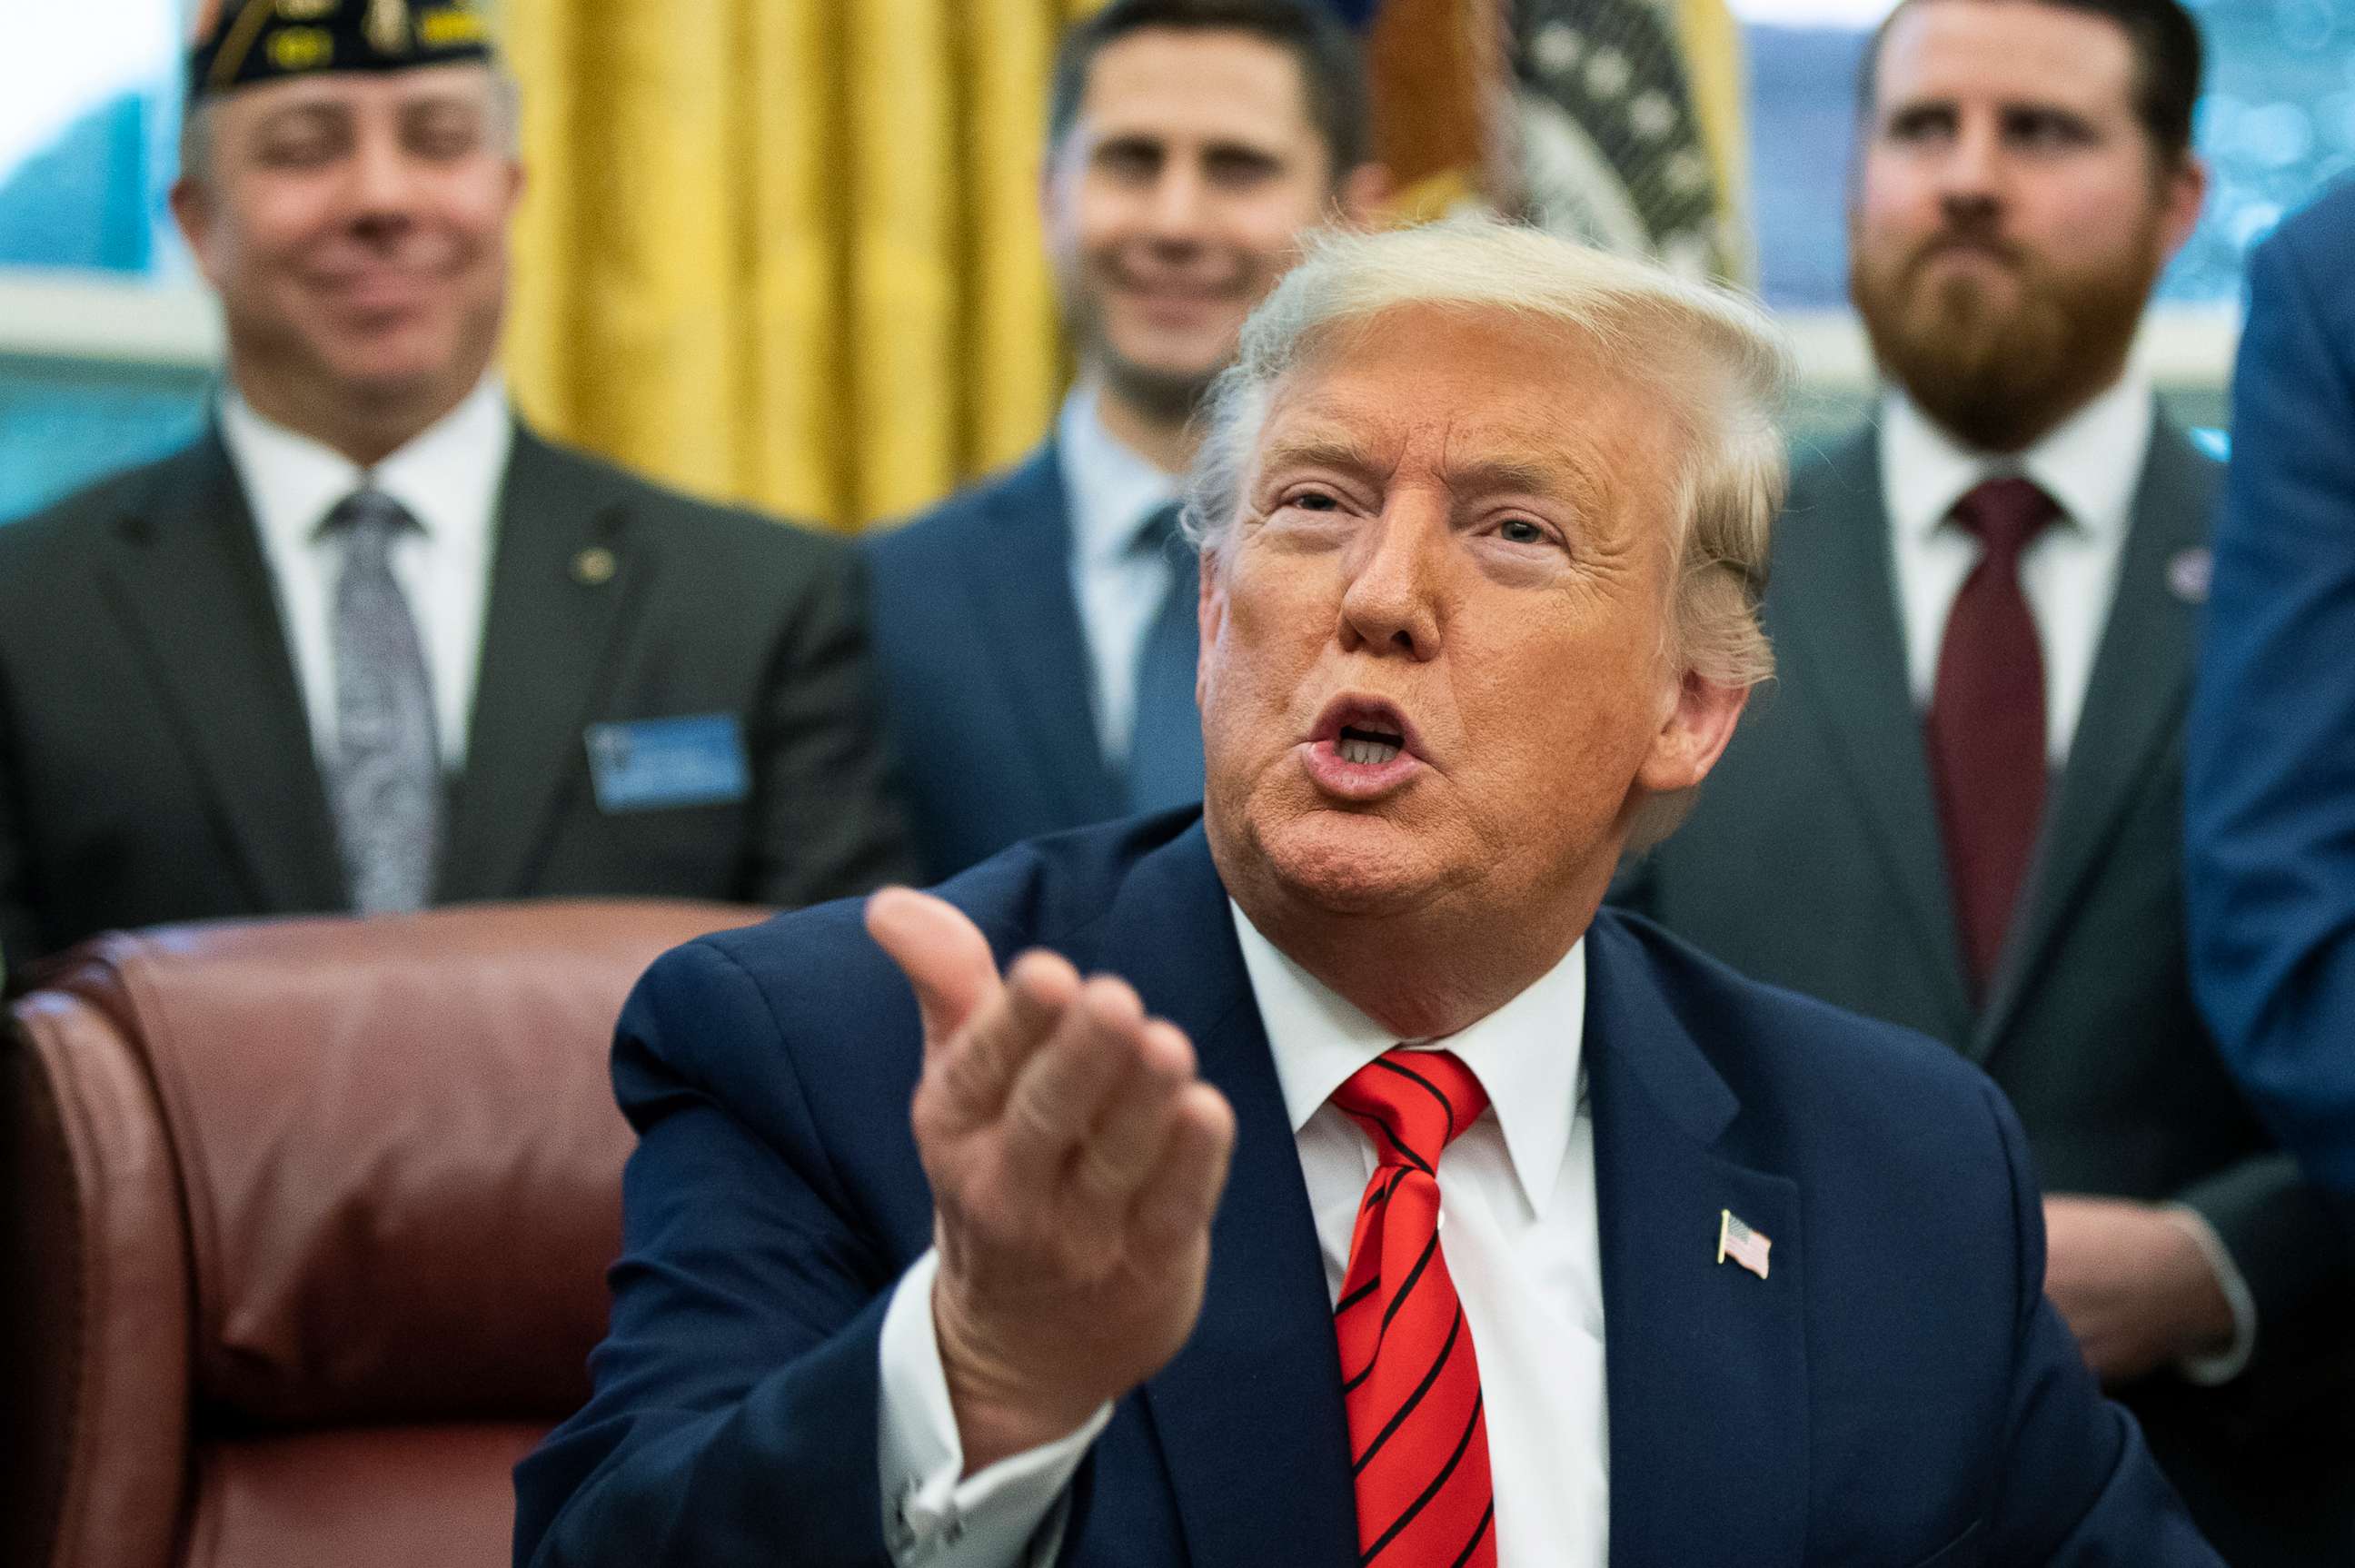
(1417, 1434)
(1987, 723)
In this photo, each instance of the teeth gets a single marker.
(1372, 752)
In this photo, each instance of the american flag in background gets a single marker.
(1740, 1242)
(1612, 122)
(1612, 146)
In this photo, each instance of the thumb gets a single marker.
(944, 956)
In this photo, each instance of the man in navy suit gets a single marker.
(1391, 1205)
(2271, 793)
(1035, 633)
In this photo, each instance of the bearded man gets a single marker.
(1961, 810)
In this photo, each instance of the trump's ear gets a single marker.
(1210, 620)
(1693, 735)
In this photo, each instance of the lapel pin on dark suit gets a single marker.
(594, 567)
(1740, 1242)
(2189, 572)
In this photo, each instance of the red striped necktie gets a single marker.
(1417, 1439)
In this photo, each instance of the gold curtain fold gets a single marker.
(786, 251)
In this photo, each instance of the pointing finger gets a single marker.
(944, 955)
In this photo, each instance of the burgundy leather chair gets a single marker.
(303, 1227)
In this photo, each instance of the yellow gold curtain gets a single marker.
(786, 251)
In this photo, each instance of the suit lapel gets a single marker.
(552, 626)
(1832, 608)
(1249, 1413)
(2133, 702)
(1706, 1363)
(188, 578)
(1018, 574)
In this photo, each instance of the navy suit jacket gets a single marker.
(987, 685)
(2270, 794)
(1814, 860)
(1895, 1392)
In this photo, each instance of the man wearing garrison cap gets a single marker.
(369, 643)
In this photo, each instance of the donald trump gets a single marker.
(1322, 1179)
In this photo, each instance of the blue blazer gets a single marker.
(985, 676)
(2270, 787)
(1896, 1393)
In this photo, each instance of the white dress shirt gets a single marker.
(448, 479)
(1118, 587)
(1519, 1231)
(2090, 465)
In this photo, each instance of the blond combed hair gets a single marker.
(1721, 370)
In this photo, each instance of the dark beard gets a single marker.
(1999, 380)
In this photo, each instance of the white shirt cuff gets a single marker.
(2208, 1372)
(1010, 1514)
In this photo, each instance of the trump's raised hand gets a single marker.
(1075, 1160)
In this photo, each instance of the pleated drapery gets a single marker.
(786, 251)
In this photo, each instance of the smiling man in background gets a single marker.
(1961, 807)
(1036, 633)
(370, 643)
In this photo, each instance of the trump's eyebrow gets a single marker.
(1335, 449)
(1531, 475)
(1531, 464)
(1321, 449)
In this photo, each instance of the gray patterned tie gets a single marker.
(387, 783)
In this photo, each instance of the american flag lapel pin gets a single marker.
(1740, 1242)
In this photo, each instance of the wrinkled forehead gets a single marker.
(1482, 396)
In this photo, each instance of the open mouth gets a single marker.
(1365, 731)
(1362, 749)
(1369, 747)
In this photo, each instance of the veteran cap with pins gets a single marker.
(243, 42)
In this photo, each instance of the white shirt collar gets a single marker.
(1528, 1054)
(1112, 490)
(447, 476)
(2088, 465)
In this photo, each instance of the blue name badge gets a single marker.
(648, 765)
